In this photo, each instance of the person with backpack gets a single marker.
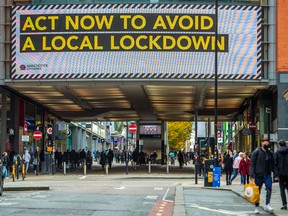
(261, 167)
(281, 163)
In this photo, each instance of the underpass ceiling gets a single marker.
(139, 102)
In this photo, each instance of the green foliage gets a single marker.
(178, 133)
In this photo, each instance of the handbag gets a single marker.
(251, 192)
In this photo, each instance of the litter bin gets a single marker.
(208, 173)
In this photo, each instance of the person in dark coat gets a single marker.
(180, 158)
(142, 158)
(110, 158)
(228, 166)
(281, 171)
(103, 159)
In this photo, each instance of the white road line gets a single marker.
(7, 204)
(165, 195)
(83, 177)
(220, 210)
(151, 197)
(121, 188)
(158, 188)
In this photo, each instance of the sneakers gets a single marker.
(269, 208)
(284, 207)
(257, 211)
(6, 178)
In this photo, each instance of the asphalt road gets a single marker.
(96, 195)
(92, 195)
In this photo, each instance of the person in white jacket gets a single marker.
(236, 164)
(26, 158)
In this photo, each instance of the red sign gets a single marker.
(132, 128)
(25, 129)
(252, 126)
(37, 135)
(49, 130)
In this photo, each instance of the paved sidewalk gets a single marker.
(236, 188)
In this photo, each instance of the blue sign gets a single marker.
(216, 177)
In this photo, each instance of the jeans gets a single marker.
(283, 183)
(235, 173)
(245, 179)
(27, 166)
(5, 171)
(267, 180)
(228, 176)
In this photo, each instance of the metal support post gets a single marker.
(106, 169)
(215, 150)
(149, 166)
(127, 151)
(197, 147)
(64, 167)
(85, 167)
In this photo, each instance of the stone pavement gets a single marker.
(42, 182)
(236, 188)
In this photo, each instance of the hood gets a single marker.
(283, 150)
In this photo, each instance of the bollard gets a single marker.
(85, 169)
(167, 166)
(106, 169)
(64, 168)
(149, 166)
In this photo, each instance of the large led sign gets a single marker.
(146, 41)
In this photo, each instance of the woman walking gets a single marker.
(244, 168)
(228, 166)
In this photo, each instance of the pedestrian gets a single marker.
(103, 159)
(281, 163)
(228, 166)
(202, 164)
(244, 169)
(135, 156)
(26, 159)
(5, 164)
(180, 158)
(236, 163)
(110, 157)
(261, 167)
(36, 160)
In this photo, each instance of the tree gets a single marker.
(178, 133)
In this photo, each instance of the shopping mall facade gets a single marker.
(144, 61)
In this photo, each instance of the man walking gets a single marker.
(281, 163)
(261, 167)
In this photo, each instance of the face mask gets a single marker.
(265, 147)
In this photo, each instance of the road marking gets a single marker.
(83, 177)
(158, 188)
(219, 210)
(151, 197)
(121, 188)
(165, 195)
(7, 204)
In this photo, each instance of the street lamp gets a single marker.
(216, 87)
